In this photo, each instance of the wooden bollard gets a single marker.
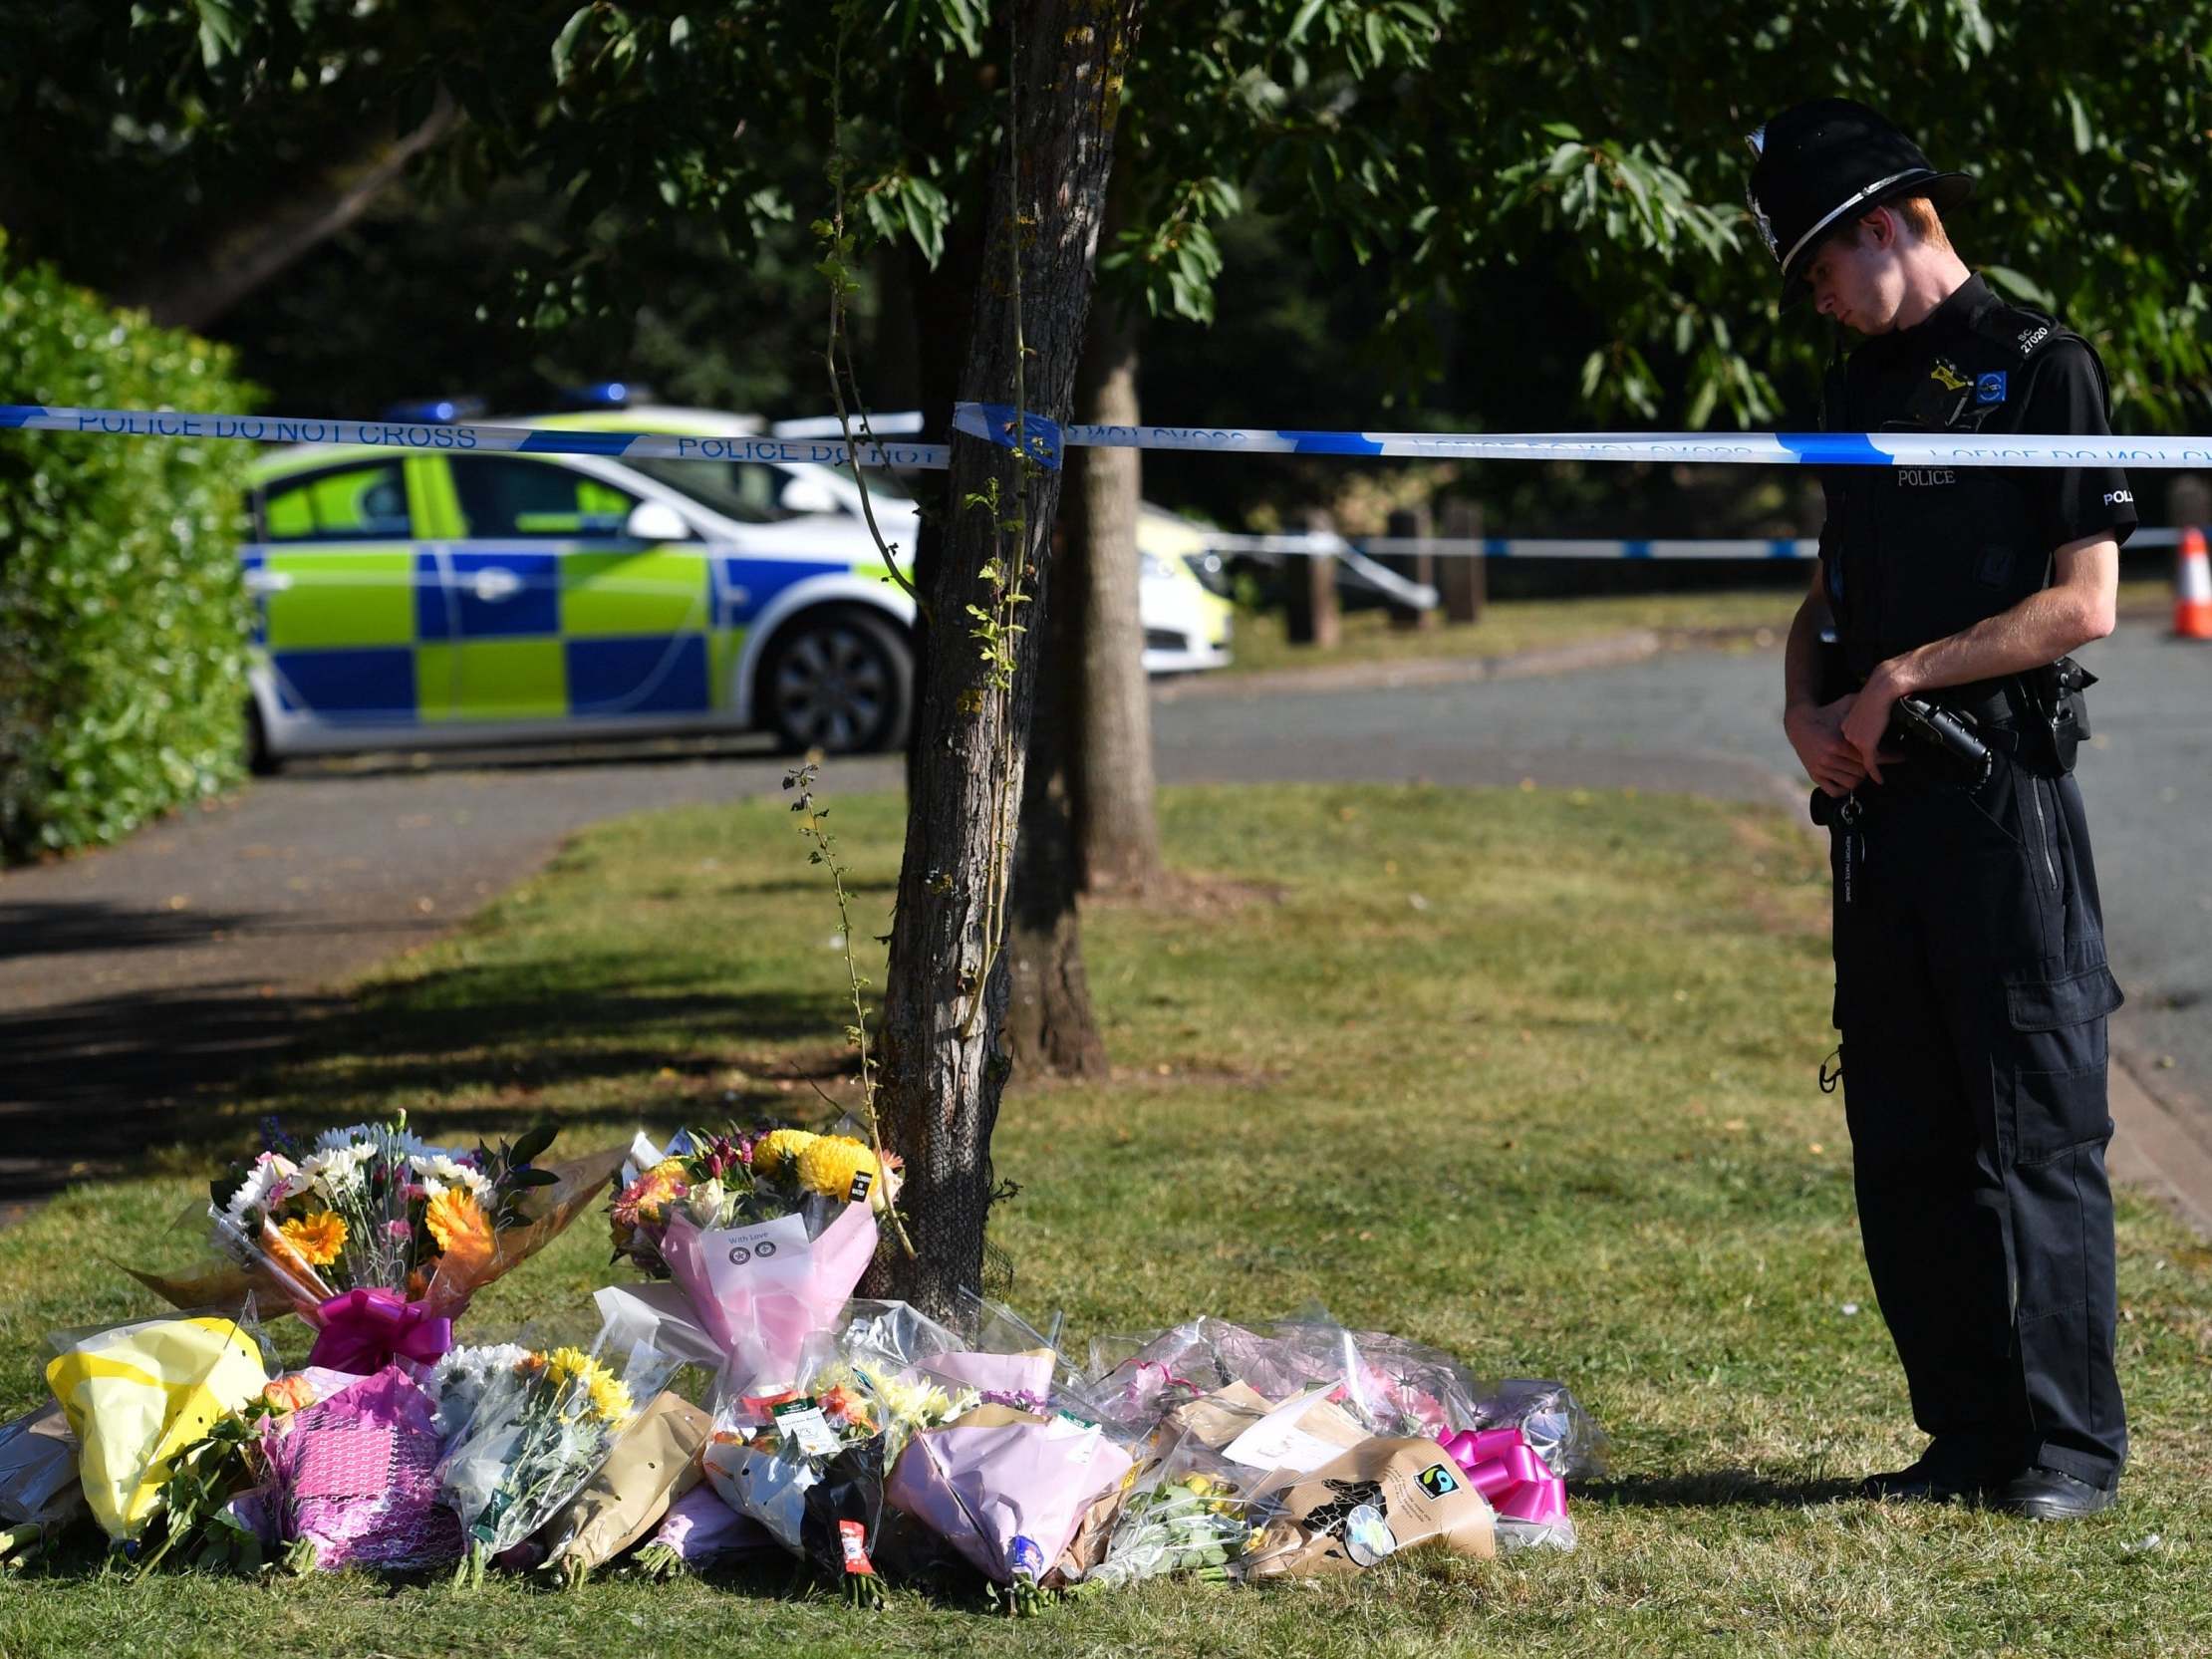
(1465, 577)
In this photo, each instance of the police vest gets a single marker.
(1924, 552)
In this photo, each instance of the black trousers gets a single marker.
(1972, 992)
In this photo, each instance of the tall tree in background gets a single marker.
(1110, 777)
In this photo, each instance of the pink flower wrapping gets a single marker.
(762, 1289)
(1007, 1496)
(355, 1476)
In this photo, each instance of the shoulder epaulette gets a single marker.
(2019, 331)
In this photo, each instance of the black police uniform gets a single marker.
(1972, 987)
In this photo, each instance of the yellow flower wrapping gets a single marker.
(137, 1395)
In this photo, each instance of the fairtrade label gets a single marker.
(1437, 1479)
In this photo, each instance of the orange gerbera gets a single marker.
(318, 1237)
(465, 1241)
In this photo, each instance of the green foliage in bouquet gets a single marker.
(198, 1525)
(124, 625)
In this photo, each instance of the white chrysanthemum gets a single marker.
(265, 1183)
(338, 1170)
(464, 1376)
(438, 1172)
(395, 1144)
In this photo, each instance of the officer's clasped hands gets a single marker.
(1817, 732)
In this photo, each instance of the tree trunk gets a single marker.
(944, 1065)
(1050, 1028)
(1110, 776)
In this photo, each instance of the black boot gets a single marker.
(1947, 1470)
(2046, 1494)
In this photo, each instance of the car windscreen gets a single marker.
(751, 492)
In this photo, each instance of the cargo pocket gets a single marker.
(2058, 1095)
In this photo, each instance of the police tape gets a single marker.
(462, 437)
(1046, 441)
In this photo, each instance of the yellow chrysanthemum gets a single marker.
(609, 1399)
(318, 1237)
(828, 1164)
(779, 1146)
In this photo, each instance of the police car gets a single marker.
(432, 597)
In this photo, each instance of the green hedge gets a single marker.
(123, 620)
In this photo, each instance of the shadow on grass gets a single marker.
(89, 1088)
(1717, 1489)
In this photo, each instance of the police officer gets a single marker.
(1971, 982)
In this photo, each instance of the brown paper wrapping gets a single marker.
(1382, 1498)
(653, 1463)
(1216, 1419)
(1088, 1548)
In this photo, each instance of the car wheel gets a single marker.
(841, 682)
(261, 760)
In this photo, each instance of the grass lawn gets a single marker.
(1525, 1074)
(1729, 620)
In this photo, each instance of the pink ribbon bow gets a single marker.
(1504, 1467)
(365, 1330)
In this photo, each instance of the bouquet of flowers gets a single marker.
(809, 1463)
(1391, 1385)
(143, 1399)
(1174, 1518)
(1008, 1488)
(762, 1239)
(701, 1532)
(767, 1454)
(39, 1494)
(655, 1463)
(523, 1430)
(378, 1238)
(352, 1478)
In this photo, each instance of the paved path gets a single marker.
(129, 976)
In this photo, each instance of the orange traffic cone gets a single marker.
(2192, 588)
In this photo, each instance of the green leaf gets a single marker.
(2084, 137)
(220, 31)
(564, 43)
